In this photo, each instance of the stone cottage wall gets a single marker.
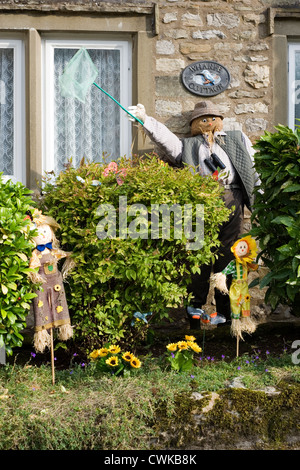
(233, 33)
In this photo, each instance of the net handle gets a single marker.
(118, 103)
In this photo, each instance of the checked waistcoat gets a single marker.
(234, 147)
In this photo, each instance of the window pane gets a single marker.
(92, 128)
(7, 111)
(297, 88)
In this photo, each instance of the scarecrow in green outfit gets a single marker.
(245, 253)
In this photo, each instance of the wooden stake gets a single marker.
(237, 346)
(52, 357)
(51, 345)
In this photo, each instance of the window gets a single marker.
(12, 122)
(72, 129)
(294, 85)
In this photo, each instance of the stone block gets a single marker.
(167, 108)
(190, 19)
(258, 76)
(254, 125)
(227, 20)
(254, 108)
(169, 18)
(170, 65)
(189, 48)
(164, 47)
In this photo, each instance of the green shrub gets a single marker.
(117, 277)
(276, 220)
(15, 251)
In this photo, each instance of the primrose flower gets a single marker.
(113, 349)
(172, 347)
(135, 362)
(112, 361)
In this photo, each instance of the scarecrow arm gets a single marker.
(166, 141)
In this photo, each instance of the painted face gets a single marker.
(242, 248)
(206, 125)
(44, 234)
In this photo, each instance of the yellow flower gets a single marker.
(127, 356)
(112, 361)
(194, 346)
(135, 362)
(247, 297)
(94, 354)
(41, 303)
(172, 347)
(103, 352)
(57, 287)
(190, 338)
(59, 308)
(182, 345)
(113, 349)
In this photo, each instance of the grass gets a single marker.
(86, 409)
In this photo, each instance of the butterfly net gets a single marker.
(78, 76)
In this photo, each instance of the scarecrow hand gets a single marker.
(218, 281)
(138, 111)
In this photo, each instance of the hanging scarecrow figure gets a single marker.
(245, 253)
(50, 306)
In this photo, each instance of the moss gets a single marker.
(241, 418)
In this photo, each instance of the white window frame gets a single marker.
(19, 154)
(292, 49)
(48, 46)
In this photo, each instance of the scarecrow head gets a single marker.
(45, 226)
(206, 119)
(244, 250)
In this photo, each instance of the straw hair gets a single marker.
(40, 219)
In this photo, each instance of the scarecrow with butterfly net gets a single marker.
(208, 149)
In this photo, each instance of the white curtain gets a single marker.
(7, 111)
(297, 88)
(88, 129)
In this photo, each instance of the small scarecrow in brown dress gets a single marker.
(50, 306)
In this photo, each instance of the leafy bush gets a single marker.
(276, 220)
(115, 277)
(15, 251)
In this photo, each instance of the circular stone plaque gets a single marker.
(205, 78)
